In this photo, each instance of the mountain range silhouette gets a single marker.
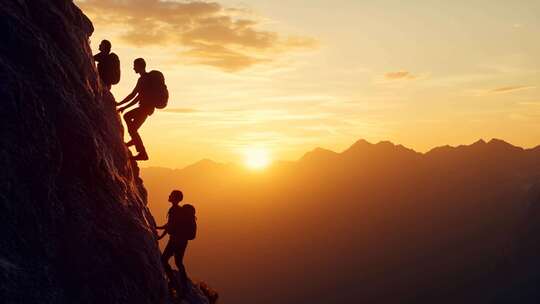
(376, 223)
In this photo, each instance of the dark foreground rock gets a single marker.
(74, 224)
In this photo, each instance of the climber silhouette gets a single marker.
(136, 117)
(150, 93)
(181, 227)
(108, 65)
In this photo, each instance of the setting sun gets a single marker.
(256, 158)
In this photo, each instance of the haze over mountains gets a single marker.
(376, 223)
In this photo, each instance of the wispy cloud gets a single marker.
(205, 32)
(509, 89)
(400, 75)
(499, 90)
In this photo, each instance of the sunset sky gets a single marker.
(288, 76)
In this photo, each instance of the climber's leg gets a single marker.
(134, 120)
(180, 249)
(167, 254)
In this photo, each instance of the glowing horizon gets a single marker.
(257, 158)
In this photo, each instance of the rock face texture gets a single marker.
(74, 223)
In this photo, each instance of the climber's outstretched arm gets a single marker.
(129, 97)
(132, 95)
(132, 103)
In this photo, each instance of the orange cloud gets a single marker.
(400, 75)
(205, 32)
(509, 89)
(222, 57)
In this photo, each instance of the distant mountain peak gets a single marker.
(358, 145)
(203, 163)
(384, 147)
(320, 150)
(495, 143)
(500, 142)
(481, 146)
(386, 143)
(479, 142)
(318, 153)
(206, 161)
(361, 143)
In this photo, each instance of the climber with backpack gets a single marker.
(108, 65)
(150, 93)
(181, 227)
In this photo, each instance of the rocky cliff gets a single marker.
(74, 223)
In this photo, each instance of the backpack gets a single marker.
(184, 223)
(190, 222)
(111, 69)
(155, 90)
(190, 228)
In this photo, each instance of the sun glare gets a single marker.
(257, 158)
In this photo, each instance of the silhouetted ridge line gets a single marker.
(388, 146)
(204, 164)
(319, 153)
(361, 147)
(358, 145)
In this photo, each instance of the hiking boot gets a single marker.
(140, 156)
